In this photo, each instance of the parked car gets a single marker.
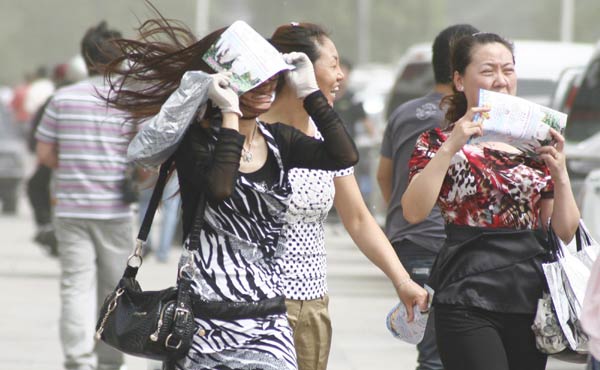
(583, 125)
(566, 88)
(414, 77)
(584, 117)
(12, 165)
(538, 66)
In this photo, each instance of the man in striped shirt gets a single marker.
(85, 142)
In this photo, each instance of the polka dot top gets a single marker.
(304, 262)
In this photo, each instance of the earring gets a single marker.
(459, 88)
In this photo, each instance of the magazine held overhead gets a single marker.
(247, 55)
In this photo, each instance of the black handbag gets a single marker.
(152, 324)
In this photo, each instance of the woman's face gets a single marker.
(257, 101)
(327, 70)
(491, 68)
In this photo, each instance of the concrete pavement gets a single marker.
(360, 299)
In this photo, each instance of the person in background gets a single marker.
(417, 245)
(352, 112)
(38, 185)
(17, 102)
(496, 202)
(313, 194)
(360, 126)
(39, 90)
(590, 316)
(85, 143)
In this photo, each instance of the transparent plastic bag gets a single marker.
(410, 332)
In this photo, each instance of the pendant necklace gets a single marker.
(247, 154)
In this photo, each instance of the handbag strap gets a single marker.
(582, 239)
(142, 236)
(131, 270)
(157, 193)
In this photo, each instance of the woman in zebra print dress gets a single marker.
(239, 165)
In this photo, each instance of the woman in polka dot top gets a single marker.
(314, 193)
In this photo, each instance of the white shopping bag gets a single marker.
(567, 279)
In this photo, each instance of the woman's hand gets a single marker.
(554, 157)
(471, 124)
(302, 78)
(221, 93)
(412, 294)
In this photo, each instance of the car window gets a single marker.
(566, 89)
(584, 119)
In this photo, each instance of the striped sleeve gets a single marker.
(47, 131)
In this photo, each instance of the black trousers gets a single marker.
(470, 338)
(38, 192)
(416, 260)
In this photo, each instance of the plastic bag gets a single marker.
(159, 136)
(410, 332)
(567, 277)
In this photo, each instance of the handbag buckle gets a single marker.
(183, 311)
(172, 346)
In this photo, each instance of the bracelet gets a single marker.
(403, 281)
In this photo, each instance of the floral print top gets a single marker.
(485, 187)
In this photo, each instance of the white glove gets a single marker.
(222, 95)
(302, 78)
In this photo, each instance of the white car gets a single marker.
(539, 65)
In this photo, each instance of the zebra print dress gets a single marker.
(239, 259)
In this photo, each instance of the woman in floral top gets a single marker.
(495, 201)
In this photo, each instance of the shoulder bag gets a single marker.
(157, 325)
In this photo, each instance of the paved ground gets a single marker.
(29, 307)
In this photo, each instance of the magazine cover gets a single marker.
(518, 122)
(245, 53)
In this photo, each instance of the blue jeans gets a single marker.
(418, 261)
(593, 364)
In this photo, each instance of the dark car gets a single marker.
(12, 164)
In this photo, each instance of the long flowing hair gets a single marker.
(149, 68)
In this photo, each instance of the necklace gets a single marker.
(247, 153)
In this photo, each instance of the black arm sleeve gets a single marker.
(212, 168)
(204, 167)
(337, 150)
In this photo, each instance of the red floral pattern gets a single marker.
(486, 187)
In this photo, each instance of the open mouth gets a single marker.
(334, 91)
(263, 98)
